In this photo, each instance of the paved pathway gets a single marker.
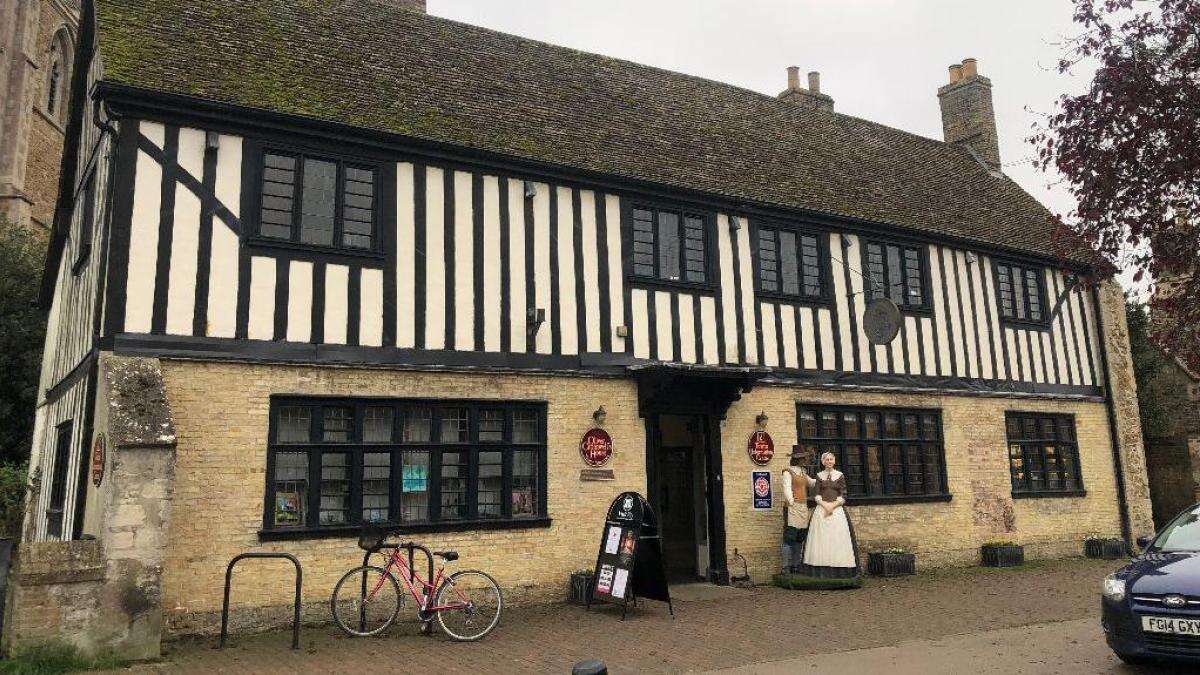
(937, 622)
(1059, 647)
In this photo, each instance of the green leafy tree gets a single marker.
(22, 331)
(1148, 360)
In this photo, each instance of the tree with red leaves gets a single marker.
(1129, 151)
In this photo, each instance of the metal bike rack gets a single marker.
(411, 547)
(229, 577)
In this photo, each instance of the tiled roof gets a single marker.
(368, 64)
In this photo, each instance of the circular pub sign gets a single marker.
(98, 459)
(596, 447)
(760, 447)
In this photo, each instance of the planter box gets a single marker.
(891, 564)
(581, 583)
(1108, 549)
(1003, 556)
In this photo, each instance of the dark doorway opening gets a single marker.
(680, 497)
(683, 406)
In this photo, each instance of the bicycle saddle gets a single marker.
(448, 556)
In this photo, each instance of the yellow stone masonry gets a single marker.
(221, 412)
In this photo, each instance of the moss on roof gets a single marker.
(384, 67)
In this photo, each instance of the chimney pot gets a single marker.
(814, 82)
(955, 73)
(969, 68)
(793, 77)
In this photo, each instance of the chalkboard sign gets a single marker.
(630, 562)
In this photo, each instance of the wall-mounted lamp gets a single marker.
(599, 416)
(761, 421)
(971, 258)
(734, 224)
(212, 140)
(530, 190)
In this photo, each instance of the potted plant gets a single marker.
(581, 584)
(1107, 548)
(891, 562)
(1003, 554)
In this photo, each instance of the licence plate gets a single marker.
(1176, 625)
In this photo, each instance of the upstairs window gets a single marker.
(789, 264)
(1021, 293)
(318, 201)
(669, 245)
(896, 271)
(57, 81)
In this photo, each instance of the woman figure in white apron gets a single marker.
(830, 551)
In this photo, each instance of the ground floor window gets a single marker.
(887, 454)
(340, 463)
(1043, 454)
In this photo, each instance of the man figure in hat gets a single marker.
(796, 484)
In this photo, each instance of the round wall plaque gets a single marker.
(99, 459)
(881, 321)
(760, 447)
(596, 447)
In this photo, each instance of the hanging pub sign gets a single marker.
(760, 447)
(760, 489)
(596, 447)
(99, 452)
(630, 562)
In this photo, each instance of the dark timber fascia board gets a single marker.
(219, 116)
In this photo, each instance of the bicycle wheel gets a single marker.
(365, 601)
(472, 602)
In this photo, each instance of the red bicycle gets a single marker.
(367, 599)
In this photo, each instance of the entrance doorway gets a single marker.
(677, 477)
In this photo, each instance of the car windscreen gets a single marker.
(1183, 534)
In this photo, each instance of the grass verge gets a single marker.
(53, 658)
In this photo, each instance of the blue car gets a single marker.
(1151, 607)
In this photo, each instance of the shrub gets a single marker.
(55, 657)
(13, 483)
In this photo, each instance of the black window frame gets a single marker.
(83, 245)
(356, 448)
(1035, 447)
(376, 165)
(870, 292)
(843, 444)
(824, 263)
(707, 218)
(64, 446)
(1023, 298)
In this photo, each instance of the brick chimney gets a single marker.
(810, 98)
(967, 115)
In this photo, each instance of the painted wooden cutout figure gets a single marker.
(796, 486)
(830, 551)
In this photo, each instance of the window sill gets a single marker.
(821, 301)
(1049, 493)
(352, 531)
(268, 245)
(883, 500)
(671, 285)
(1024, 323)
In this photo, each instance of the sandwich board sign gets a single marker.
(630, 562)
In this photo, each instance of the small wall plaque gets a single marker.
(596, 474)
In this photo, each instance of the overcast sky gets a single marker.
(882, 60)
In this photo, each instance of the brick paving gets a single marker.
(740, 627)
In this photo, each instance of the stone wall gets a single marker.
(221, 414)
(1122, 387)
(103, 594)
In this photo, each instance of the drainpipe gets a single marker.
(1111, 404)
